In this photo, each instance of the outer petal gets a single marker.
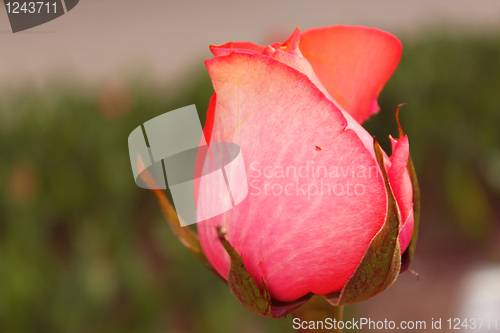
(402, 187)
(290, 54)
(296, 243)
(353, 63)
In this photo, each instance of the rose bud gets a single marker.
(327, 211)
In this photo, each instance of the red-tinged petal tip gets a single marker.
(291, 45)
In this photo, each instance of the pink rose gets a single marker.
(317, 219)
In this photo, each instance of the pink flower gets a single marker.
(317, 196)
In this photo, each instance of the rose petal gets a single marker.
(353, 63)
(401, 185)
(406, 232)
(295, 243)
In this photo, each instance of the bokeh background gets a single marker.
(82, 249)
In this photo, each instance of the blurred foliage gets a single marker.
(82, 249)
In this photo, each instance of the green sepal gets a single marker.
(244, 287)
(407, 257)
(381, 262)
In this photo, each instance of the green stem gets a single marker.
(318, 309)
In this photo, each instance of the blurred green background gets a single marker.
(83, 249)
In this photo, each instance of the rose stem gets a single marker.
(318, 309)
